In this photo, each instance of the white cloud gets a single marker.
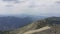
(34, 7)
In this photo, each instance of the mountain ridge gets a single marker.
(39, 24)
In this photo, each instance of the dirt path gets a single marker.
(38, 30)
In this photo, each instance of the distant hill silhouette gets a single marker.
(10, 22)
(14, 22)
(53, 20)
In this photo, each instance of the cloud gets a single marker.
(33, 7)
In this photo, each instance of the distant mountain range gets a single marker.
(14, 22)
(8, 23)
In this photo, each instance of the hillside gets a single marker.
(17, 21)
(10, 22)
(50, 21)
(38, 26)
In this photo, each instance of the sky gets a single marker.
(32, 7)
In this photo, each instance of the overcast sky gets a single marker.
(33, 7)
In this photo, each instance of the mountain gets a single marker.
(37, 25)
(10, 22)
(53, 20)
(34, 17)
(14, 22)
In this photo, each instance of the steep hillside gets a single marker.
(37, 25)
